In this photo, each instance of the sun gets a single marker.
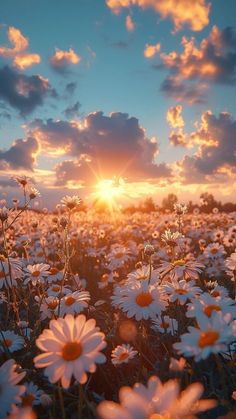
(109, 192)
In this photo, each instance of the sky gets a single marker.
(142, 90)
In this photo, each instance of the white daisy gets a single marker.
(156, 401)
(74, 303)
(72, 347)
(122, 354)
(11, 342)
(141, 301)
(10, 392)
(212, 336)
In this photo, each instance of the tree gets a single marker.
(169, 201)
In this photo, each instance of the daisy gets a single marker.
(48, 307)
(170, 238)
(74, 303)
(122, 354)
(206, 305)
(212, 336)
(230, 262)
(143, 274)
(54, 275)
(55, 289)
(7, 279)
(181, 291)
(10, 392)
(181, 269)
(156, 401)
(11, 342)
(71, 347)
(71, 202)
(214, 250)
(165, 325)
(141, 301)
(36, 273)
(32, 395)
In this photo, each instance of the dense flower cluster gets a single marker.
(90, 303)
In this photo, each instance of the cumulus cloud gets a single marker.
(194, 13)
(151, 50)
(23, 92)
(21, 58)
(174, 116)
(129, 23)
(216, 156)
(105, 145)
(21, 155)
(213, 61)
(62, 60)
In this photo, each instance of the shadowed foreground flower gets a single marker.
(156, 401)
(72, 347)
(10, 392)
(212, 336)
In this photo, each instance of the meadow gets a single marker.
(114, 315)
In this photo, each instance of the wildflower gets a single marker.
(214, 250)
(74, 303)
(180, 208)
(181, 269)
(181, 291)
(149, 249)
(143, 274)
(170, 238)
(11, 342)
(48, 307)
(206, 305)
(141, 301)
(122, 354)
(165, 325)
(71, 347)
(33, 193)
(10, 392)
(230, 262)
(22, 180)
(212, 336)
(71, 202)
(37, 273)
(32, 395)
(157, 400)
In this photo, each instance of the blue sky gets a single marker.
(114, 76)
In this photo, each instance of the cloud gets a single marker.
(129, 23)
(20, 43)
(216, 156)
(101, 146)
(21, 155)
(62, 60)
(72, 111)
(22, 92)
(71, 88)
(174, 116)
(178, 138)
(191, 70)
(193, 13)
(24, 61)
(151, 50)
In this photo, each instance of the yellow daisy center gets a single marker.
(53, 271)
(214, 250)
(70, 300)
(35, 274)
(6, 342)
(123, 356)
(2, 274)
(181, 291)
(71, 351)
(144, 299)
(56, 288)
(52, 305)
(179, 262)
(209, 309)
(208, 338)
(27, 400)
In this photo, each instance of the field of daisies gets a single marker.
(116, 316)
